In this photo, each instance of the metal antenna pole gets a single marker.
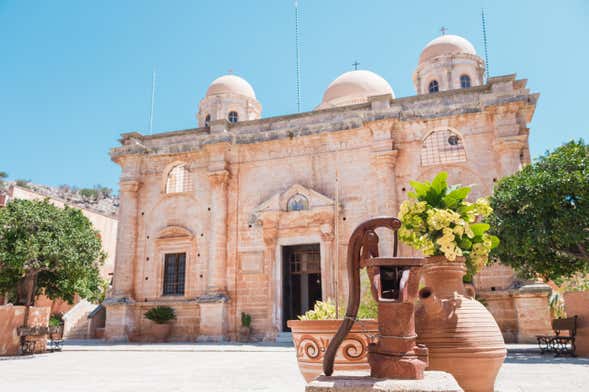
(298, 55)
(152, 102)
(484, 22)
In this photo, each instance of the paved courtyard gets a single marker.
(189, 367)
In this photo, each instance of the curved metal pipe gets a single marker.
(355, 246)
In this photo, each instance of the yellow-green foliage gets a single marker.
(438, 221)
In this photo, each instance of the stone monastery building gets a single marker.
(251, 214)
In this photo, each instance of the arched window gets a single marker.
(233, 117)
(208, 120)
(441, 147)
(464, 81)
(179, 180)
(434, 87)
(297, 202)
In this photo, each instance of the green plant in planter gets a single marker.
(325, 310)
(56, 319)
(160, 314)
(246, 319)
(438, 221)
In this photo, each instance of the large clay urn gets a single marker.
(311, 338)
(462, 336)
(161, 332)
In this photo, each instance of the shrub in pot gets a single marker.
(461, 335)
(315, 329)
(161, 316)
(245, 329)
(56, 326)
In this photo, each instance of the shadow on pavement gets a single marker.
(536, 358)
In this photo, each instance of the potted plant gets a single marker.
(315, 329)
(161, 316)
(460, 333)
(245, 329)
(56, 326)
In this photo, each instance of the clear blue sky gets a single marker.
(76, 74)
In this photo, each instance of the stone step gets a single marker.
(284, 337)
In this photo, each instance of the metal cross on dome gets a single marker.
(355, 64)
(443, 30)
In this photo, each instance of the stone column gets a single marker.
(269, 221)
(533, 311)
(386, 187)
(509, 149)
(126, 239)
(329, 275)
(216, 280)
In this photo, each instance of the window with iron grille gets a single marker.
(174, 273)
(441, 147)
(179, 180)
(233, 117)
(434, 87)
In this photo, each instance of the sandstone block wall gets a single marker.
(12, 317)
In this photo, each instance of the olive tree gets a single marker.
(541, 214)
(49, 250)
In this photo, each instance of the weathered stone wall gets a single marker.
(577, 303)
(12, 317)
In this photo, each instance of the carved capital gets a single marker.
(129, 186)
(219, 178)
(385, 158)
(511, 143)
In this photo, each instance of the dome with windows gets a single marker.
(231, 84)
(354, 87)
(446, 44)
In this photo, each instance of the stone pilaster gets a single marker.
(509, 149)
(216, 282)
(126, 239)
(328, 237)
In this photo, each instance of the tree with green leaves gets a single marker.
(49, 250)
(541, 214)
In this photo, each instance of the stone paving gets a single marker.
(230, 367)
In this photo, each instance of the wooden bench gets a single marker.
(558, 343)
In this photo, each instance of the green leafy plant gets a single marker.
(56, 319)
(161, 314)
(541, 214)
(322, 310)
(246, 319)
(50, 250)
(438, 221)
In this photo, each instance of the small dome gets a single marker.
(354, 87)
(446, 44)
(231, 84)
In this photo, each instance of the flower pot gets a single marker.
(311, 338)
(460, 333)
(244, 334)
(161, 332)
(576, 303)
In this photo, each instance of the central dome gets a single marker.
(446, 44)
(231, 84)
(354, 87)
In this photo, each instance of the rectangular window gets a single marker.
(174, 273)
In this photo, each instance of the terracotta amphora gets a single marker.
(462, 336)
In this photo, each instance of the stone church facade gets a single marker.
(251, 214)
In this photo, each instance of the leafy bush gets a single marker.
(246, 319)
(160, 314)
(541, 214)
(438, 221)
(56, 319)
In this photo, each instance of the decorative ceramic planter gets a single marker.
(460, 333)
(244, 334)
(576, 303)
(311, 338)
(161, 332)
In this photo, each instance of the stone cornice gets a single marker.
(502, 90)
